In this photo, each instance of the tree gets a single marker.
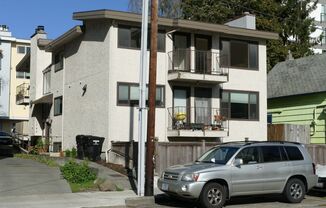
(166, 8)
(289, 18)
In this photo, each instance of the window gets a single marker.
(240, 105)
(293, 153)
(22, 75)
(239, 54)
(249, 155)
(21, 49)
(130, 37)
(0, 86)
(271, 153)
(58, 106)
(128, 95)
(323, 13)
(58, 61)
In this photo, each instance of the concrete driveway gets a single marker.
(26, 177)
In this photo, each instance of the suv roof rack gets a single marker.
(255, 142)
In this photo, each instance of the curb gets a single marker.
(145, 201)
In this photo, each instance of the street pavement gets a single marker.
(26, 183)
(27, 177)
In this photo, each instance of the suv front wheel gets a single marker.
(213, 195)
(294, 190)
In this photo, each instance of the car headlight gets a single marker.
(190, 177)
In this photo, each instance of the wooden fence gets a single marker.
(289, 132)
(317, 153)
(173, 153)
(166, 153)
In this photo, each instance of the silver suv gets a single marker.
(243, 168)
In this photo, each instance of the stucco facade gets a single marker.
(95, 65)
(11, 111)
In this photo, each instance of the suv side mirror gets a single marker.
(238, 162)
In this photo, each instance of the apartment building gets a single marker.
(211, 80)
(319, 14)
(14, 86)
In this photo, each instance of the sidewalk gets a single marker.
(68, 200)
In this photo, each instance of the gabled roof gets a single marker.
(296, 77)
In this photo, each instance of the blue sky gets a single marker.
(22, 16)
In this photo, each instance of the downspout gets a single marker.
(63, 101)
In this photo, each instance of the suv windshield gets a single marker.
(218, 155)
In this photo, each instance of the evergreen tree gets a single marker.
(166, 8)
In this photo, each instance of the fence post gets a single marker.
(203, 146)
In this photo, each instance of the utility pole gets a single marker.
(142, 102)
(149, 179)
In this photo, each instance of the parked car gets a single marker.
(6, 144)
(321, 173)
(243, 168)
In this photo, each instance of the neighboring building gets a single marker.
(319, 14)
(297, 94)
(14, 86)
(211, 80)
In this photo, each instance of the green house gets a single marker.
(297, 94)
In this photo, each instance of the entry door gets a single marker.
(203, 109)
(181, 57)
(203, 54)
(180, 102)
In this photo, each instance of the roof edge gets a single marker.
(187, 24)
(64, 38)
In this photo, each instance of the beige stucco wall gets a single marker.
(17, 112)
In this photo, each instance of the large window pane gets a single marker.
(123, 94)
(135, 35)
(124, 37)
(253, 56)
(239, 54)
(161, 41)
(225, 53)
(253, 106)
(249, 155)
(239, 105)
(294, 153)
(58, 106)
(134, 95)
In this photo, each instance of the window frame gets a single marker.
(54, 105)
(148, 44)
(248, 42)
(21, 46)
(229, 104)
(60, 54)
(279, 151)
(129, 84)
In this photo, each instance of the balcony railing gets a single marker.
(198, 118)
(22, 94)
(195, 61)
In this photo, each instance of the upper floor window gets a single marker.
(323, 13)
(239, 54)
(22, 75)
(128, 94)
(241, 105)
(58, 106)
(58, 61)
(23, 49)
(130, 37)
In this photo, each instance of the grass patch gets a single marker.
(39, 158)
(81, 187)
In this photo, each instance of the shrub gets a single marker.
(68, 153)
(73, 152)
(77, 173)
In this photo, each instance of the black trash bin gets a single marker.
(94, 147)
(89, 147)
(81, 146)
